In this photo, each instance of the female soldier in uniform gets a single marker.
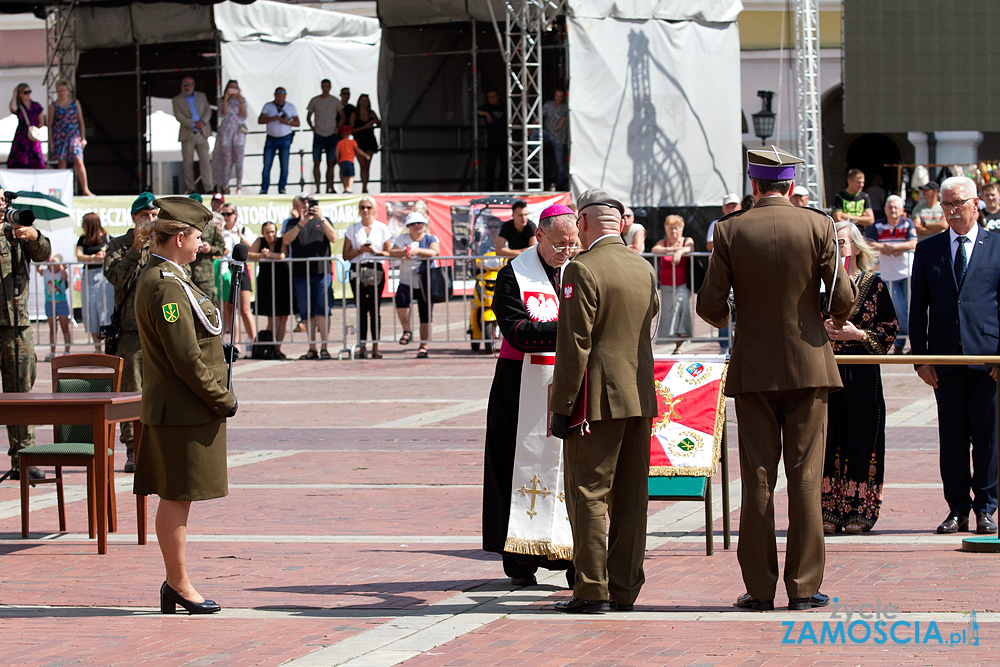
(185, 402)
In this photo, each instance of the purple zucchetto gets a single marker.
(556, 209)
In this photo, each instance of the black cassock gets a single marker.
(525, 336)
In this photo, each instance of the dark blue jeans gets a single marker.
(282, 146)
(560, 152)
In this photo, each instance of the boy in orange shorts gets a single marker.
(346, 149)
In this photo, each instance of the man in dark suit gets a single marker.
(776, 257)
(604, 358)
(953, 310)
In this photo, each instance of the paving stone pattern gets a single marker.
(351, 536)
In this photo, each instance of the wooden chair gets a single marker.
(73, 445)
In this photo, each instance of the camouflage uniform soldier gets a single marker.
(124, 259)
(18, 373)
(203, 267)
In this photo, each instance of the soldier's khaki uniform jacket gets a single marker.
(203, 268)
(38, 250)
(184, 371)
(775, 257)
(607, 302)
(122, 265)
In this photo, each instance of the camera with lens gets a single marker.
(13, 216)
(310, 202)
(109, 333)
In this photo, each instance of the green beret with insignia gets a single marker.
(183, 209)
(144, 202)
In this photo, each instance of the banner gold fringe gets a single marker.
(720, 422)
(519, 545)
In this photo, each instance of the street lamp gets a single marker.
(763, 120)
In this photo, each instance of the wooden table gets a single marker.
(102, 409)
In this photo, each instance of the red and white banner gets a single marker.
(687, 432)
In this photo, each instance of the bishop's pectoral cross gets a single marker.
(535, 492)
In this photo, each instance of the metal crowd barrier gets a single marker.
(463, 317)
(677, 303)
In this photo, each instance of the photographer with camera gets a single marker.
(311, 236)
(124, 260)
(19, 243)
(280, 117)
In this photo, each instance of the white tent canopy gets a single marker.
(271, 44)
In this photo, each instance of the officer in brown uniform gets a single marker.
(18, 245)
(185, 401)
(604, 357)
(212, 247)
(776, 258)
(123, 260)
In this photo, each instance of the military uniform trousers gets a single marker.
(607, 473)
(130, 350)
(12, 369)
(772, 425)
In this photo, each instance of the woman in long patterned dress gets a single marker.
(25, 153)
(229, 141)
(67, 141)
(855, 439)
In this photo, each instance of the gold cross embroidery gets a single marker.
(535, 492)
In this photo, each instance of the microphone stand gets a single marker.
(234, 301)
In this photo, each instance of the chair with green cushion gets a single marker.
(73, 445)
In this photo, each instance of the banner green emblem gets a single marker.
(170, 312)
(687, 444)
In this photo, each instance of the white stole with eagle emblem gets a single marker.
(538, 523)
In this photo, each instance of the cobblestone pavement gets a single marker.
(351, 536)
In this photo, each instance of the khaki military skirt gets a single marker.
(182, 462)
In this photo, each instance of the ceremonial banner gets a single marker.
(687, 432)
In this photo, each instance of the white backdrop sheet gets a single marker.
(655, 110)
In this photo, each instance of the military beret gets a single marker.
(144, 202)
(772, 164)
(183, 209)
(599, 196)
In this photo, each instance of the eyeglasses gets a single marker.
(187, 85)
(25, 92)
(841, 242)
(365, 208)
(227, 214)
(954, 205)
(279, 92)
(562, 249)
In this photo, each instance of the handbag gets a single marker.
(35, 133)
(242, 128)
(368, 274)
(438, 288)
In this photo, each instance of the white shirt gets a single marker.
(970, 245)
(276, 128)
(232, 236)
(603, 237)
(359, 236)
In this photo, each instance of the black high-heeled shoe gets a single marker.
(169, 599)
